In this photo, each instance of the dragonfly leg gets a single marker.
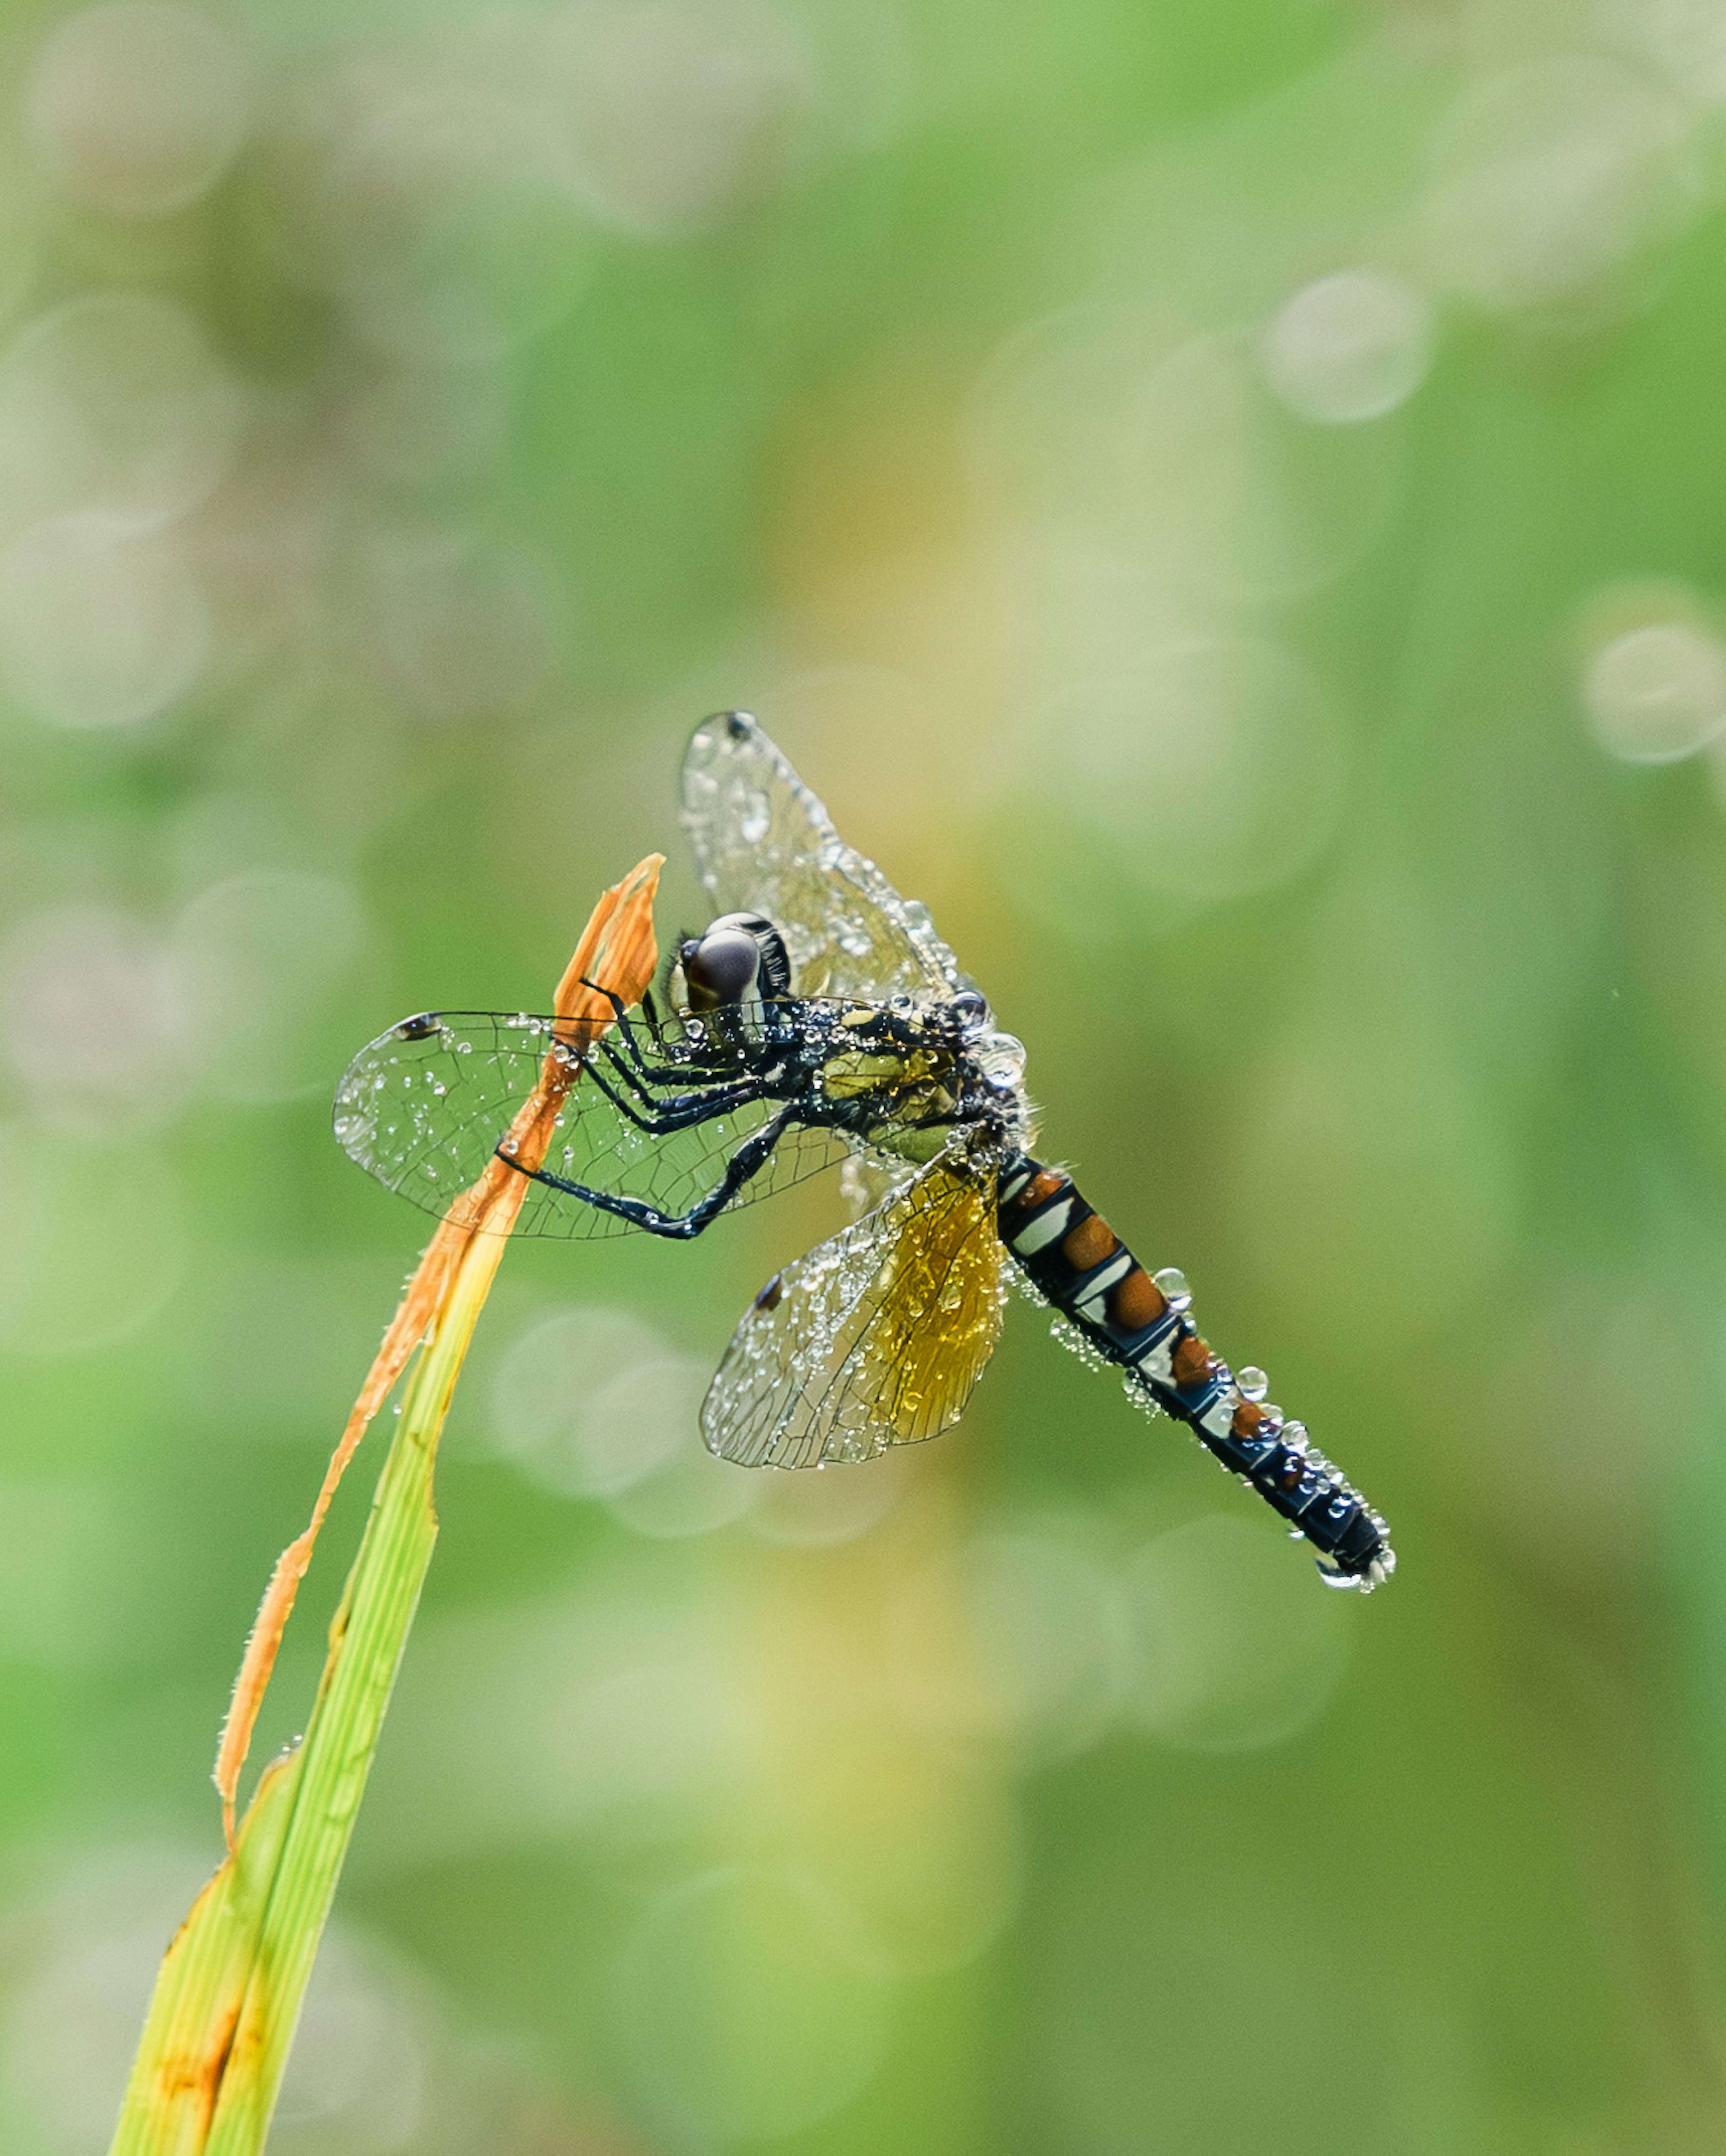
(747, 1160)
(680, 1114)
(681, 1069)
(724, 1095)
(620, 1012)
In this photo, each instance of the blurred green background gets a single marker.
(1225, 502)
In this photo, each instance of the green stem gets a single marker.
(228, 1942)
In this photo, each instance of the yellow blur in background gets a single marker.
(1227, 504)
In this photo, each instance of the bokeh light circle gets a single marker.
(1235, 1645)
(116, 402)
(91, 1016)
(83, 1952)
(261, 957)
(693, 1493)
(1550, 178)
(1230, 494)
(137, 106)
(813, 1508)
(674, 113)
(1046, 1628)
(1657, 693)
(1348, 348)
(743, 2009)
(95, 1242)
(589, 1402)
(1216, 770)
(98, 626)
(650, 1411)
(432, 208)
(1684, 39)
(1047, 416)
(360, 2065)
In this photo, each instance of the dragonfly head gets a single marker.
(739, 955)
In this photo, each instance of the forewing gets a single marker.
(763, 844)
(424, 1107)
(876, 1337)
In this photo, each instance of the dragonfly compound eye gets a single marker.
(722, 968)
(775, 977)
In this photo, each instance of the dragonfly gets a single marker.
(820, 1018)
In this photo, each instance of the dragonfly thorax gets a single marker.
(903, 1077)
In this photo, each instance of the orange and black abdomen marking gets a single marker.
(1072, 1256)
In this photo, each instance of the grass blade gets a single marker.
(228, 1998)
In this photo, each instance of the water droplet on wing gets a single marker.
(757, 819)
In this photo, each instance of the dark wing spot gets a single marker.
(418, 1029)
(769, 1299)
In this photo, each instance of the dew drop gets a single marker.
(1173, 1282)
(757, 819)
(1000, 1058)
(1253, 1383)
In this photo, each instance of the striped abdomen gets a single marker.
(1072, 1256)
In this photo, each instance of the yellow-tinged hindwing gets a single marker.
(874, 1338)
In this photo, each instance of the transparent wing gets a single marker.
(423, 1106)
(876, 1337)
(763, 844)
